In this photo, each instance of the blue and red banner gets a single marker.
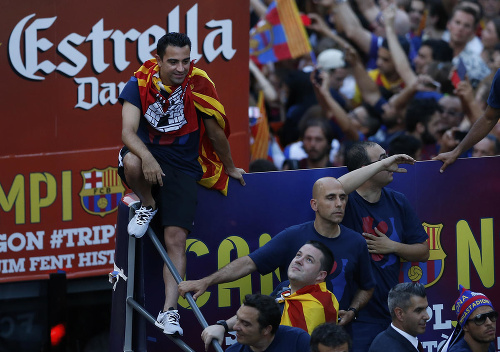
(458, 209)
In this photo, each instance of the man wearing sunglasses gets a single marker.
(476, 324)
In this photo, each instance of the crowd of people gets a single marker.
(389, 82)
(410, 75)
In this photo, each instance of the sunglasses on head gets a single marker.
(481, 318)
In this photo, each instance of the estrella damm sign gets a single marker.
(101, 191)
(430, 272)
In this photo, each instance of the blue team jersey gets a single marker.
(394, 216)
(180, 152)
(287, 339)
(352, 268)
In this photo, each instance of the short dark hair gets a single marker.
(329, 335)
(420, 110)
(441, 50)
(315, 117)
(269, 310)
(357, 156)
(400, 295)
(467, 9)
(327, 259)
(405, 44)
(405, 144)
(173, 39)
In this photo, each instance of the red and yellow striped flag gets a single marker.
(309, 307)
(259, 148)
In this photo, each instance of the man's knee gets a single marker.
(175, 237)
(132, 165)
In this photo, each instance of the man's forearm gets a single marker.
(361, 298)
(417, 252)
(232, 271)
(355, 178)
(335, 112)
(220, 143)
(479, 130)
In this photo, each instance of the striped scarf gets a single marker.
(198, 92)
(309, 307)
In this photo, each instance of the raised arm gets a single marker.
(352, 180)
(221, 146)
(479, 130)
(469, 104)
(367, 87)
(232, 271)
(399, 57)
(369, 9)
(332, 109)
(351, 26)
(267, 87)
(259, 8)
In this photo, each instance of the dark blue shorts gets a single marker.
(176, 199)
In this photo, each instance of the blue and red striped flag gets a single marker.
(280, 35)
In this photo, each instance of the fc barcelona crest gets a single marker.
(101, 191)
(430, 272)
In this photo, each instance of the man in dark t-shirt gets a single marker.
(170, 109)
(351, 279)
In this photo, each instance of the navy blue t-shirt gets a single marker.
(181, 153)
(287, 339)
(494, 97)
(352, 268)
(394, 216)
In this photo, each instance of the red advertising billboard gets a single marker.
(63, 64)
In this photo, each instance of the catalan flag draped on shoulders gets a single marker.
(176, 115)
(309, 307)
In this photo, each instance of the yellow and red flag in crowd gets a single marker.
(280, 35)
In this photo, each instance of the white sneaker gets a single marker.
(139, 224)
(170, 321)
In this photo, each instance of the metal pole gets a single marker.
(178, 279)
(127, 347)
(131, 302)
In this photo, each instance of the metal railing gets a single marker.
(132, 304)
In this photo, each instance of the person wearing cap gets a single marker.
(332, 62)
(476, 324)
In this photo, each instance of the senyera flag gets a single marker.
(280, 35)
(260, 131)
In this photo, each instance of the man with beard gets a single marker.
(392, 231)
(422, 122)
(408, 306)
(317, 136)
(476, 324)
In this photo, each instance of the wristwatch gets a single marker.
(224, 324)
(354, 310)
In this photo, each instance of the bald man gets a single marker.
(351, 279)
